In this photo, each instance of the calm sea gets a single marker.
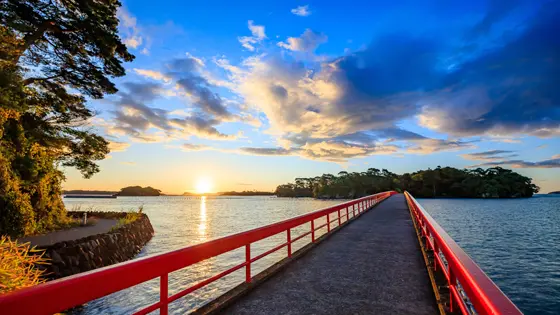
(516, 242)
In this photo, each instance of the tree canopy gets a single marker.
(53, 54)
(139, 191)
(494, 182)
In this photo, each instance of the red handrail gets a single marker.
(461, 272)
(59, 295)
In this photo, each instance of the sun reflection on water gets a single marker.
(202, 224)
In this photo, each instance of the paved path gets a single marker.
(372, 266)
(102, 226)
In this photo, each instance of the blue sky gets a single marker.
(254, 94)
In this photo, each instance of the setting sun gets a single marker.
(203, 185)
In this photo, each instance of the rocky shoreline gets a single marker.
(96, 251)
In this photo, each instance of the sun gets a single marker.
(203, 185)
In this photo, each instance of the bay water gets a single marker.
(516, 242)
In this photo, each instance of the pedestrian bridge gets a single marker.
(381, 254)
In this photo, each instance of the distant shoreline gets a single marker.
(139, 191)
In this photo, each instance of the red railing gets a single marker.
(59, 295)
(469, 287)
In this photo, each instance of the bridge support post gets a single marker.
(313, 231)
(338, 217)
(248, 261)
(452, 286)
(163, 291)
(289, 238)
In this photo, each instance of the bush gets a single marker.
(18, 265)
(130, 217)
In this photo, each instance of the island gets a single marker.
(126, 191)
(554, 193)
(139, 191)
(441, 182)
(234, 193)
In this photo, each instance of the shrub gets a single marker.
(130, 217)
(18, 265)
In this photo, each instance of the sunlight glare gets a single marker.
(203, 185)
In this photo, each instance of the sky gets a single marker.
(253, 95)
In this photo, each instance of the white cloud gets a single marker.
(429, 146)
(258, 33)
(307, 42)
(130, 31)
(301, 10)
(116, 146)
(133, 41)
(156, 75)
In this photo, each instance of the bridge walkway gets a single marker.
(372, 266)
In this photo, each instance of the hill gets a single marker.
(139, 191)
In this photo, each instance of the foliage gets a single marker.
(139, 191)
(494, 182)
(18, 265)
(53, 54)
(130, 217)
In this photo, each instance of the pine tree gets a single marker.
(53, 54)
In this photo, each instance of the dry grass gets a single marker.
(130, 217)
(18, 265)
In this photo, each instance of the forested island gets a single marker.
(126, 191)
(234, 193)
(495, 182)
(139, 191)
(247, 193)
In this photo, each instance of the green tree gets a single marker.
(494, 182)
(53, 54)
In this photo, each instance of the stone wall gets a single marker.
(88, 253)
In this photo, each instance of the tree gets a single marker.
(50, 50)
(441, 182)
(66, 44)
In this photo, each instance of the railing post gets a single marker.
(436, 252)
(289, 238)
(313, 231)
(452, 284)
(353, 210)
(248, 261)
(347, 215)
(328, 223)
(338, 217)
(163, 291)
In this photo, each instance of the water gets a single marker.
(184, 221)
(516, 242)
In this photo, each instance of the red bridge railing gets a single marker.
(59, 295)
(471, 291)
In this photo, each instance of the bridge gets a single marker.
(381, 254)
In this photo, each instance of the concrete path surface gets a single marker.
(371, 266)
(102, 226)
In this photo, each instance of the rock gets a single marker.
(55, 257)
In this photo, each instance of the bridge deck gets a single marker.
(372, 266)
